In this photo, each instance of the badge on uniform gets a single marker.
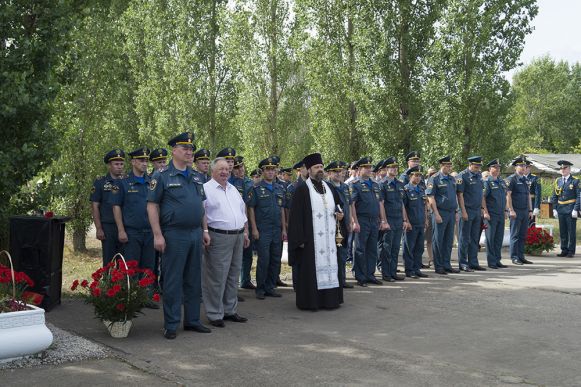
(458, 181)
(430, 186)
(114, 189)
(570, 186)
(279, 201)
(152, 184)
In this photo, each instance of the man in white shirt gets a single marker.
(228, 231)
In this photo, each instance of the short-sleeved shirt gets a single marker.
(392, 192)
(267, 201)
(495, 195)
(443, 189)
(470, 184)
(103, 191)
(519, 188)
(414, 202)
(366, 196)
(180, 197)
(132, 198)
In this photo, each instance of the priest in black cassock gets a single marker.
(312, 248)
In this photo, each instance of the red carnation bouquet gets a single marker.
(118, 291)
(538, 240)
(14, 295)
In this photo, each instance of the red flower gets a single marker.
(75, 284)
(96, 292)
(145, 282)
(85, 283)
(93, 285)
(48, 214)
(33, 298)
(155, 297)
(120, 307)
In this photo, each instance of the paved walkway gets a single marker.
(520, 325)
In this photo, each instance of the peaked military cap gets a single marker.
(520, 160)
(287, 170)
(185, 138)
(267, 163)
(202, 154)
(141, 153)
(564, 163)
(255, 173)
(334, 166)
(390, 162)
(363, 162)
(413, 155)
(493, 163)
(445, 160)
(275, 159)
(227, 153)
(114, 155)
(158, 154)
(414, 171)
(378, 166)
(353, 165)
(343, 164)
(238, 161)
(475, 160)
(299, 165)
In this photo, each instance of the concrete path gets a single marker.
(520, 325)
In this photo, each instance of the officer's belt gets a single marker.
(567, 201)
(227, 232)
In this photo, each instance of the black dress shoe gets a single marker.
(562, 254)
(281, 284)
(260, 296)
(362, 284)
(151, 305)
(425, 266)
(517, 262)
(501, 266)
(375, 281)
(398, 277)
(411, 275)
(524, 260)
(199, 328)
(347, 286)
(441, 271)
(456, 271)
(570, 255)
(168, 334)
(422, 275)
(241, 299)
(466, 269)
(478, 268)
(273, 294)
(493, 267)
(249, 286)
(236, 318)
(217, 323)
(388, 279)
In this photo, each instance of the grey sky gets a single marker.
(557, 32)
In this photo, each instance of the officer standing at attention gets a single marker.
(366, 211)
(130, 212)
(104, 188)
(335, 169)
(243, 184)
(392, 193)
(494, 212)
(266, 213)
(202, 162)
(176, 213)
(469, 190)
(519, 205)
(441, 192)
(413, 160)
(565, 201)
(415, 206)
(158, 158)
(535, 191)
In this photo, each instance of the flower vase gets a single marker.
(118, 329)
(23, 333)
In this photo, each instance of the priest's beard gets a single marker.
(318, 177)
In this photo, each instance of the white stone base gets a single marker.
(23, 333)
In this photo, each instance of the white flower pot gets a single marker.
(23, 333)
(118, 329)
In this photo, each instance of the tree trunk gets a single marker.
(79, 239)
(354, 142)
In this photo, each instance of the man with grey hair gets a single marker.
(228, 232)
